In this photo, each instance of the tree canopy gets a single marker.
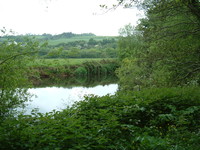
(170, 54)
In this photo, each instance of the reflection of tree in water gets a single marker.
(87, 81)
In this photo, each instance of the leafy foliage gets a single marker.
(169, 52)
(152, 119)
(67, 69)
(104, 48)
(13, 74)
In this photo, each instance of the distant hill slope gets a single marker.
(78, 38)
(70, 45)
(53, 40)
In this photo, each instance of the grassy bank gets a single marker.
(155, 119)
(58, 68)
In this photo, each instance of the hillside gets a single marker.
(59, 38)
(71, 45)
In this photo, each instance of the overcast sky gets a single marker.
(58, 16)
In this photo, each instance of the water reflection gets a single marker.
(57, 98)
(87, 81)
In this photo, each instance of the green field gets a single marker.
(78, 38)
(59, 40)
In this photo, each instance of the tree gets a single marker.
(92, 42)
(131, 52)
(171, 51)
(193, 6)
(129, 43)
(173, 35)
(13, 74)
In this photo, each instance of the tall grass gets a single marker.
(66, 68)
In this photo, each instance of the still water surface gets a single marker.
(47, 99)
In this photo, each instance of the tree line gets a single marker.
(88, 47)
(46, 36)
(106, 48)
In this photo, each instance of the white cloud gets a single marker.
(57, 16)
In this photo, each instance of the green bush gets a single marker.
(160, 119)
(81, 71)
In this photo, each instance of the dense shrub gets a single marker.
(80, 71)
(160, 119)
(53, 70)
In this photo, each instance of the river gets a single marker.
(47, 99)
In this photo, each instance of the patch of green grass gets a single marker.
(77, 38)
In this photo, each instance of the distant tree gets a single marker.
(74, 53)
(87, 34)
(54, 53)
(47, 36)
(92, 42)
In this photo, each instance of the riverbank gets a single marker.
(42, 69)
